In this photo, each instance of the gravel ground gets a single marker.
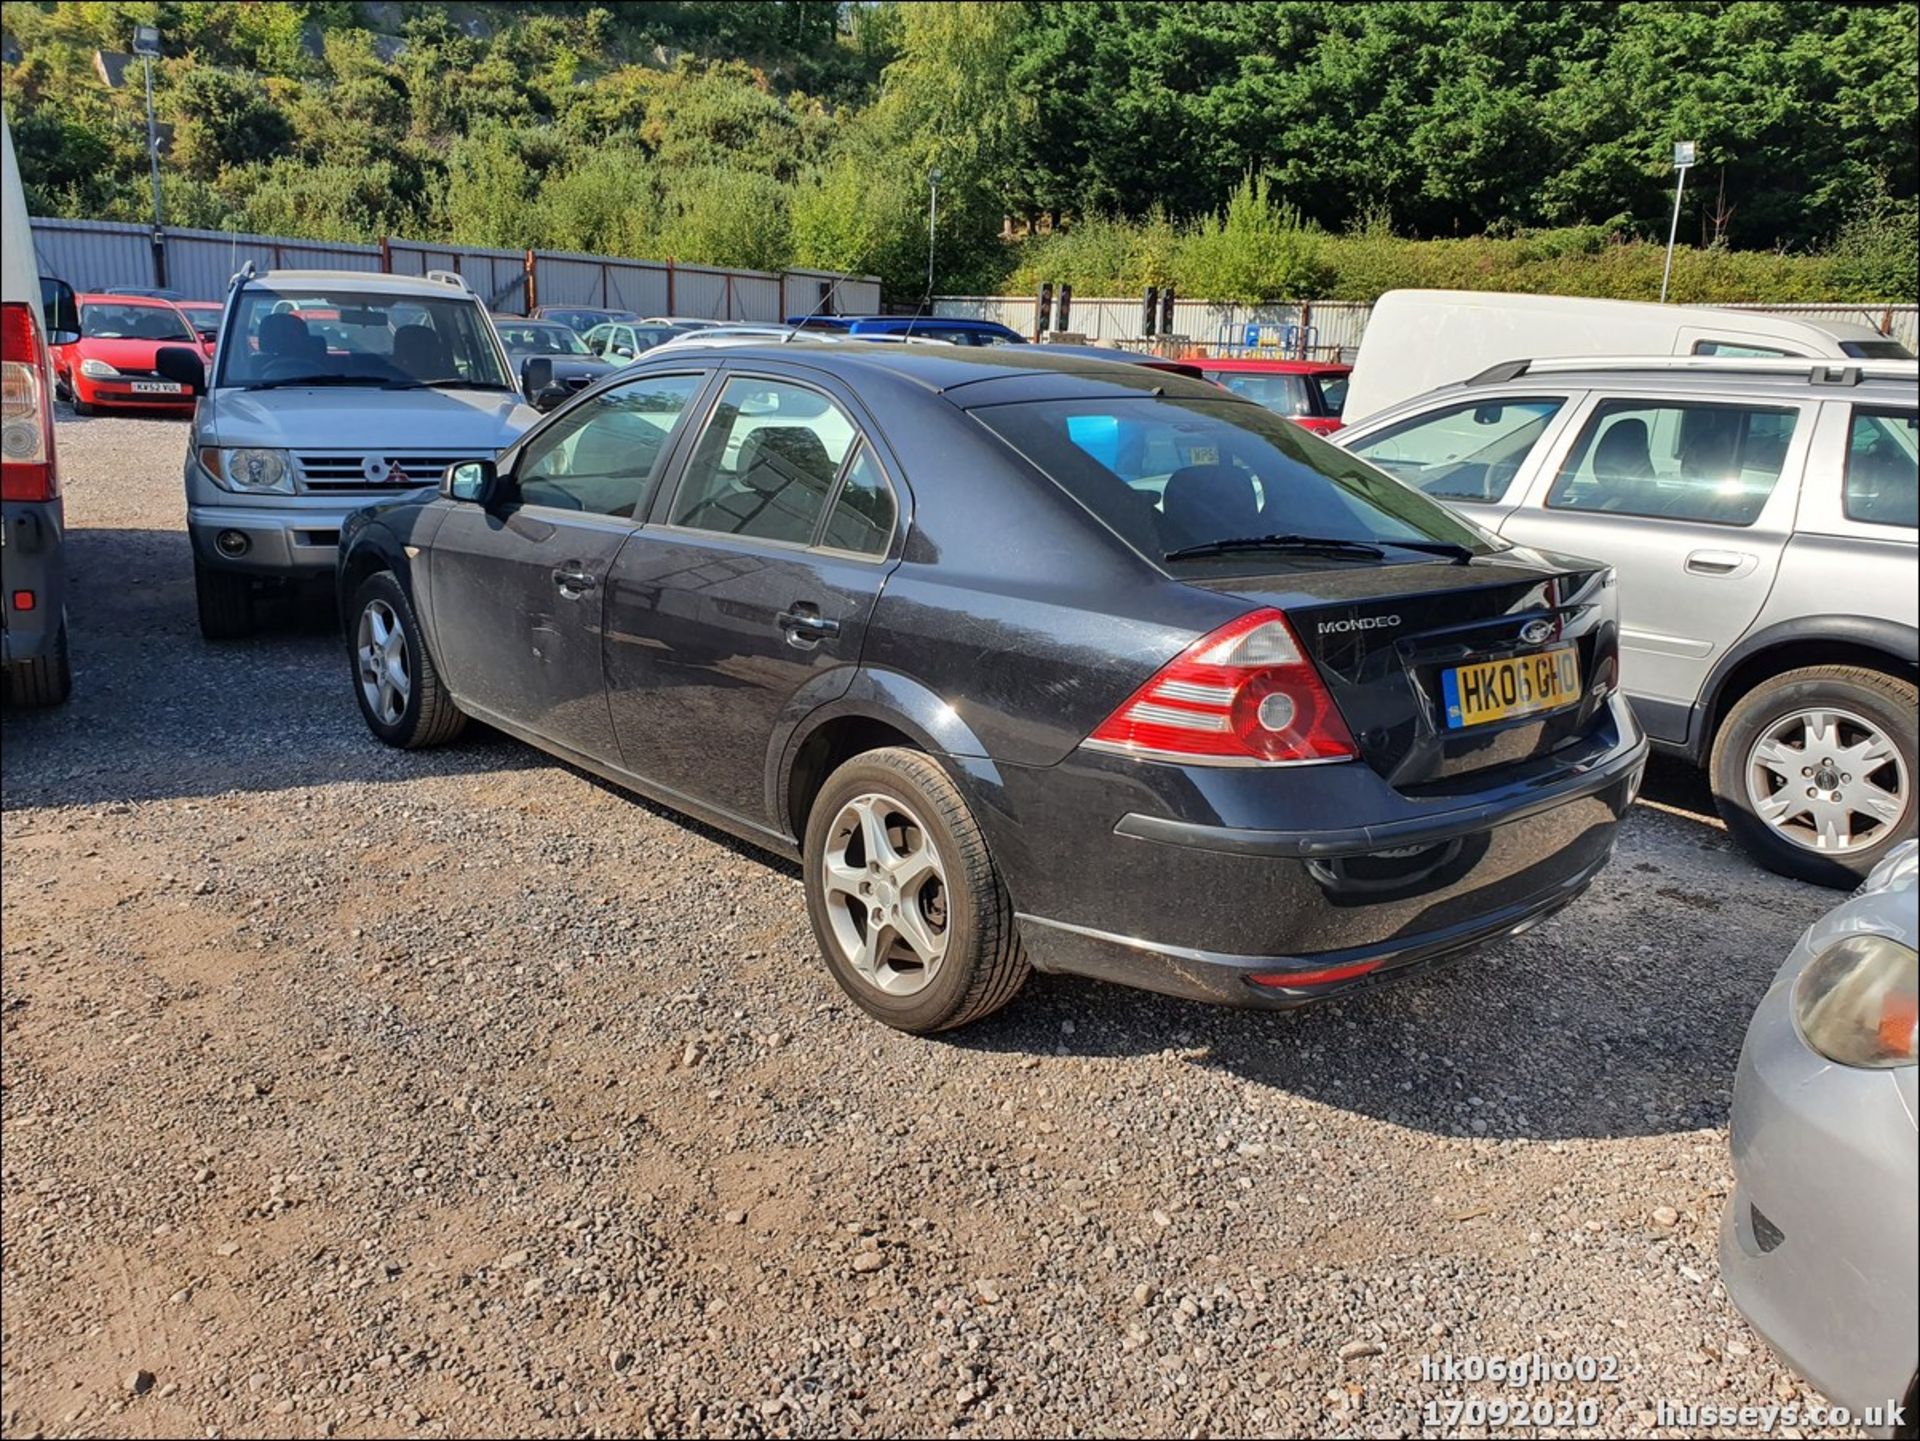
(349, 1092)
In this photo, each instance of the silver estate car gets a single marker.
(1760, 514)
(1818, 1241)
(328, 390)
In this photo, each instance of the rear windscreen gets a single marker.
(1169, 472)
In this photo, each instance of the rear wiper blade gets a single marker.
(1306, 544)
(1452, 550)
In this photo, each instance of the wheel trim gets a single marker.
(1827, 779)
(386, 672)
(885, 889)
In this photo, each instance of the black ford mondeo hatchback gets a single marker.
(1033, 661)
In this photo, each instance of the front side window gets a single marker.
(1465, 452)
(1171, 473)
(346, 337)
(1677, 460)
(1881, 469)
(603, 457)
(106, 321)
(765, 463)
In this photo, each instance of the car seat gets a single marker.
(1209, 502)
(1623, 469)
(420, 353)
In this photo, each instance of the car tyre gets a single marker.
(1772, 753)
(394, 678)
(45, 680)
(82, 409)
(225, 602)
(938, 947)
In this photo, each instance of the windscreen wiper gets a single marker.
(1301, 544)
(463, 385)
(320, 380)
(1452, 550)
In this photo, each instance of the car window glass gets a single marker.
(1465, 452)
(1684, 461)
(1738, 352)
(1167, 473)
(603, 456)
(765, 462)
(596, 339)
(1882, 488)
(133, 322)
(863, 513)
(1280, 393)
(1333, 393)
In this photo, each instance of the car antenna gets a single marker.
(825, 299)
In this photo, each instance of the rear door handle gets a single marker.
(573, 582)
(805, 626)
(1721, 562)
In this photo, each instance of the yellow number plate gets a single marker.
(1501, 689)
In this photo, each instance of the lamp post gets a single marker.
(146, 44)
(933, 216)
(1682, 158)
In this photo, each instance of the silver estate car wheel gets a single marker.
(1828, 780)
(886, 895)
(386, 676)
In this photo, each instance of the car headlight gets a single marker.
(261, 471)
(97, 370)
(1858, 1002)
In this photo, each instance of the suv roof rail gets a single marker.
(448, 277)
(1819, 369)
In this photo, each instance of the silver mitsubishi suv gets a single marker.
(1760, 515)
(328, 390)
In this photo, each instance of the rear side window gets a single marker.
(1678, 461)
(863, 513)
(1333, 393)
(1882, 485)
(765, 463)
(1465, 452)
(1171, 472)
(1737, 351)
(1282, 394)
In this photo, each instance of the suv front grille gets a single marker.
(349, 470)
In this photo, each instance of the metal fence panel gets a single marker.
(201, 262)
(1329, 329)
(599, 281)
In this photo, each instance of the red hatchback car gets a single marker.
(112, 363)
(1307, 392)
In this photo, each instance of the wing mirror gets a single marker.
(183, 364)
(58, 312)
(543, 392)
(473, 481)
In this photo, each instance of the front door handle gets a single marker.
(573, 582)
(805, 626)
(1721, 562)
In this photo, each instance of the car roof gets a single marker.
(377, 282)
(1250, 364)
(944, 369)
(101, 297)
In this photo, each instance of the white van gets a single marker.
(1419, 340)
(35, 311)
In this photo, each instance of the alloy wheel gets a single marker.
(1828, 780)
(886, 894)
(386, 678)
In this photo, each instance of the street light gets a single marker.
(933, 215)
(146, 44)
(1682, 158)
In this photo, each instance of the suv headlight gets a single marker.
(267, 472)
(97, 370)
(1859, 1000)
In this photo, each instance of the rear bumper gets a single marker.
(1198, 907)
(32, 558)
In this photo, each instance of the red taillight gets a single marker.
(26, 408)
(1245, 693)
(1290, 980)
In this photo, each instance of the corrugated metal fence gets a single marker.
(96, 254)
(1324, 329)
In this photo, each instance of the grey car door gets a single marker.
(1691, 499)
(519, 586)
